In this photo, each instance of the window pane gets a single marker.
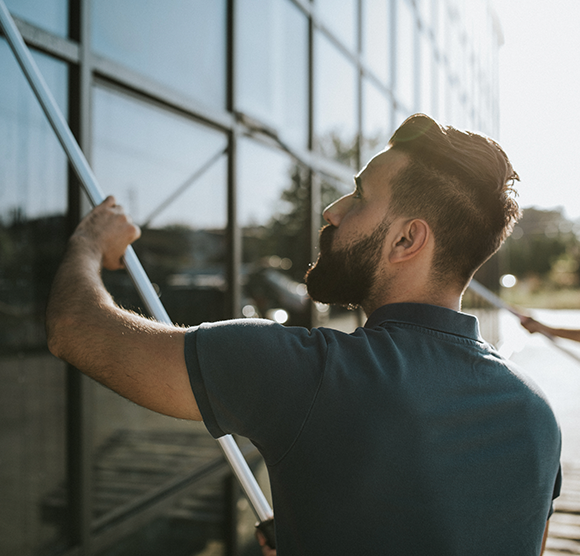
(376, 121)
(33, 510)
(335, 106)
(274, 215)
(406, 29)
(376, 37)
(426, 76)
(51, 15)
(180, 43)
(150, 160)
(271, 65)
(341, 18)
(443, 93)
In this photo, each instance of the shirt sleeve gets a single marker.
(255, 378)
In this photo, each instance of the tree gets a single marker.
(543, 246)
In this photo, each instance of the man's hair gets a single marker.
(461, 184)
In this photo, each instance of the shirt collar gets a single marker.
(427, 316)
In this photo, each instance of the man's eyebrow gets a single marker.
(358, 182)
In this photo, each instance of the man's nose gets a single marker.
(334, 213)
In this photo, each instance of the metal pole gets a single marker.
(492, 298)
(140, 279)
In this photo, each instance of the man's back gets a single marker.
(409, 436)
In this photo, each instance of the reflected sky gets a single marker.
(405, 59)
(271, 65)
(51, 15)
(376, 37)
(335, 94)
(376, 121)
(342, 22)
(180, 43)
(142, 155)
(263, 175)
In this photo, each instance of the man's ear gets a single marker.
(411, 239)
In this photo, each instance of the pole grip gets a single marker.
(91, 187)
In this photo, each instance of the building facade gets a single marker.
(223, 127)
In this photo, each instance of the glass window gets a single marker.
(426, 12)
(33, 203)
(443, 93)
(406, 58)
(51, 15)
(180, 43)
(170, 174)
(335, 103)
(441, 22)
(272, 65)
(274, 215)
(376, 37)
(342, 21)
(426, 76)
(376, 121)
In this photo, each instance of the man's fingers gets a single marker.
(111, 231)
(109, 201)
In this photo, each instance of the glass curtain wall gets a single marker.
(224, 128)
(33, 204)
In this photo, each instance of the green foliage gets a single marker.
(543, 248)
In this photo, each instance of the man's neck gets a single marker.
(443, 298)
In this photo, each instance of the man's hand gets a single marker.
(266, 550)
(107, 231)
(533, 326)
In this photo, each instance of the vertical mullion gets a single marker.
(314, 179)
(233, 264)
(233, 232)
(79, 388)
(359, 73)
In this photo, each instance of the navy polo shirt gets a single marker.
(410, 436)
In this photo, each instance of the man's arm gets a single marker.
(532, 326)
(142, 360)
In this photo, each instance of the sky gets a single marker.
(540, 100)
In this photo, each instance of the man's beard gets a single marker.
(346, 276)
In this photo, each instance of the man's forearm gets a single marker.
(77, 298)
(141, 359)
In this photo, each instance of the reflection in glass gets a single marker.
(335, 102)
(51, 15)
(33, 508)
(426, 76)
(376, 37)
(271, 63)
(341, 21)
(405, 79)
(426, 11)
(442, 93)
(274, 216)
(376, 121)
(144, 156)
(180, 43)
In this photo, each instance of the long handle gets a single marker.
(142, 283)
(492, 298)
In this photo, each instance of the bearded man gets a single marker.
(410, 436)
